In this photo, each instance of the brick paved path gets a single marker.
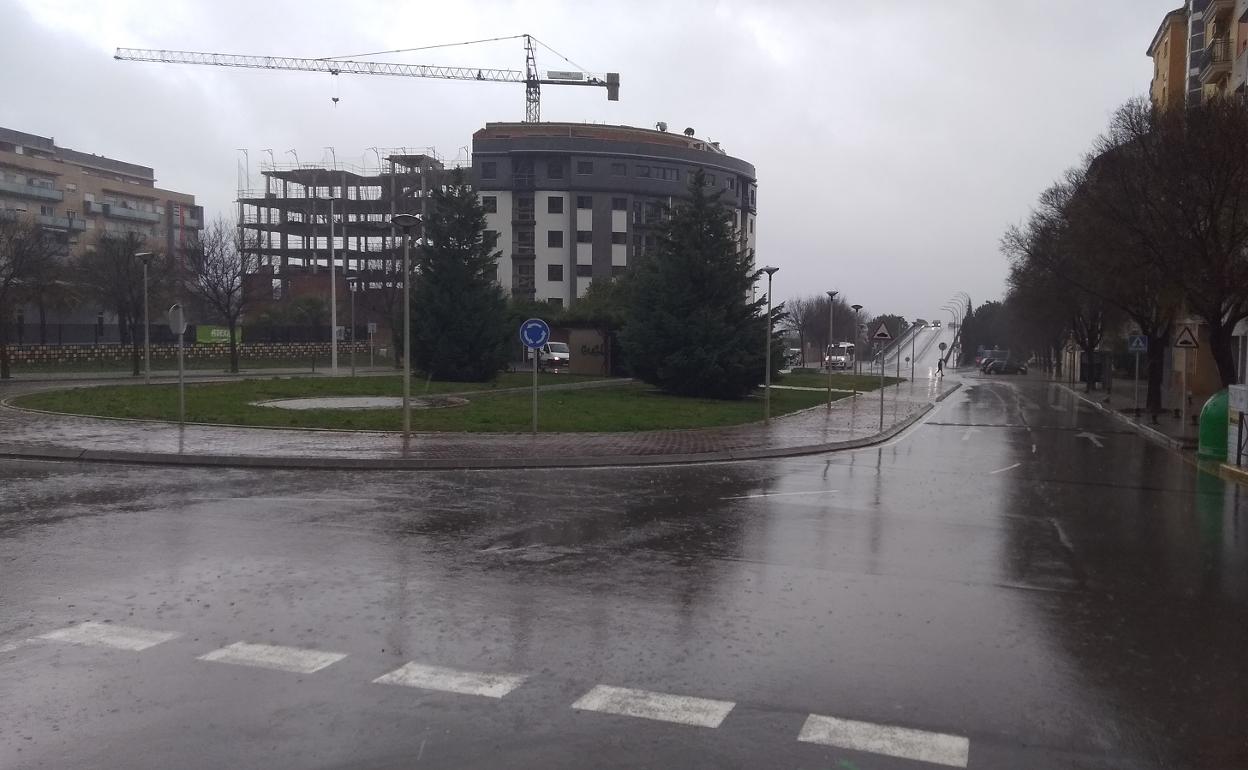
(27, 433)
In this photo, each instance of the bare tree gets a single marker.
(218, 265)
(797, 319)
(109, 272)
(26, 251)
(1175, 182)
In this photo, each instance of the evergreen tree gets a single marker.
(691, 328)
(459, 316)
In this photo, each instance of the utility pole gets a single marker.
(831, 341)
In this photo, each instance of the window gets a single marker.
(555, 301)
(554, 204)
(554, 238)
(732, 183)
(554, 169)
(584, 271)
(584, 201)
(667, 174)
(584, 236)
(617, 270)
(554, 272)
(524, 238)
(584, 167)
(619, 169)
(71, 187)
(710, 180)
(490, 237)
(643, 171)
(619, 238)
(47, 211)
(491, 273)
(489, 203)
(619, 204)
(751, 225)
(489, 170)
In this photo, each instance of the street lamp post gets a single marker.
(145, 257)
(831, 341)
(333, 293)
(407, 222)
(913, 334)
(857, 339)
(352, 282)
(770, 271)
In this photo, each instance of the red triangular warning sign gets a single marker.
(882, 333)
(1186, 339)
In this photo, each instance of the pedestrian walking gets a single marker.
(940, 367)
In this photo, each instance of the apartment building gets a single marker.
(76, 194)
(1170, 62)
(573, 203)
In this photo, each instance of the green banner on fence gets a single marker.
(213, 334)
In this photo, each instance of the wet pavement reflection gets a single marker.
(992, 573)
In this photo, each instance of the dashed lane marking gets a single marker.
(93, 634)
(663, 707)
(780, 494)
(292, 659)
(452, 680)
(1003, 470)
(900, 742)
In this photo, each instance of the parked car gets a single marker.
(1007, 367)
(555, 355)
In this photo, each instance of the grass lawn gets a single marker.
(628, 407)
(839, 381)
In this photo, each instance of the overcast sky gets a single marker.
(894, 139)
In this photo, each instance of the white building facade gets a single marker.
(573, 203)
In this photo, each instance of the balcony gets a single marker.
(62, 223)
(523, 182)
(30, 191)
(1215, 62)
(1219, 10)
(121, 212)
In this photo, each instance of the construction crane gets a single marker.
(532, 79)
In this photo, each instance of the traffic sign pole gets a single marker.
(1137, 386)
(534, 333)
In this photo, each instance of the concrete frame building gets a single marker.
(74, 193)
(573, 203)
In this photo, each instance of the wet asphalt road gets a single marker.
(991, 575)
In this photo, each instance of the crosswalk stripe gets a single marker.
(900, 742)
(292, 659)
(93, 634)
(452, 680)
(664, 707)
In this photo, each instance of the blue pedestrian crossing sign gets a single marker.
(534, 333)
(1137, 343)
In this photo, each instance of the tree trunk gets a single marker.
(231, 325)
(43, 320)
(1156, 371)
(134, 349)
(4, 345)
(1221, 345)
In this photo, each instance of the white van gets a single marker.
(553, 355)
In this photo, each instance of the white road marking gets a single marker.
(967, 436)
(1095, 439)
(1003, 470)
(11, 646)
(1033, 449)
(1061, 536)
(452, 680)
(900, 742)
(293, 659)
(281, 499)
(780, 494)
(95, 634)
(681, 709)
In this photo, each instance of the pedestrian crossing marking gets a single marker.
(664, 707)
(293, 659)
(452, 680)
(900, 742)
(93, 634)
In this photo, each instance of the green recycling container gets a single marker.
(1213, 427)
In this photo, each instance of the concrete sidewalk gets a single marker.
(1165, 428)
(849, 423)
